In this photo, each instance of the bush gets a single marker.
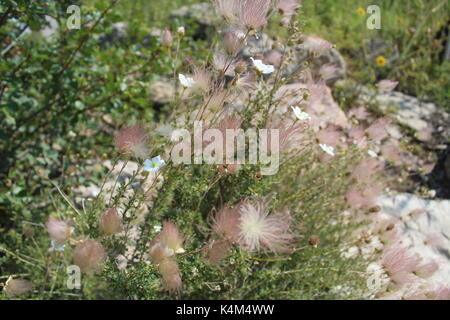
(158, 228)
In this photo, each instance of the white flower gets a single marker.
(154, 164)
(240, 35)
(181, 31)
(327, 149)
(56, 247)
(372, 153)
(263, 68)
(302, 116)
(186, 82)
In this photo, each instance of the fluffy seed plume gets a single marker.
(171, 274)
(261, 230)
(171, 237)
(399, 264)
(225, 223)
(89, 255)
(132, 141)
(110, 222)
(58, 230)
(288, 7)
(253, 14)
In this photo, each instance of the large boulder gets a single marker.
(411, 112)
(424, 228)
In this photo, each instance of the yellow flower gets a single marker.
(381, 61)
(361, 12)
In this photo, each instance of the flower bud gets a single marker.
(89, 255)
(181, 31)
(314, 240)
(167, 38)
(110, 222)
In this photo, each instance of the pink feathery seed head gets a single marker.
(386, 85)
(378, 130)
(359, 113)
(166, 38)
(225, 223)
(273, 57)
(253, 14)
(171, 274)
(241, 67)
(331, 135)
(132, 141)
(17, 287)
(89, 255)
(232, 44)
(364, 171)
(261, 230)
(110, 222)
(365, 198)
(399, 264)
(58, 230)
(202, 79)
(246, 83)
(171, 237)
(228, 9)
(223, 63)
(290, 135)
(426, 270)
(315, 90)
(328, 71)
(217, 250)
(317, 45)
(216, 100)
(159, 252)
(288, 7)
